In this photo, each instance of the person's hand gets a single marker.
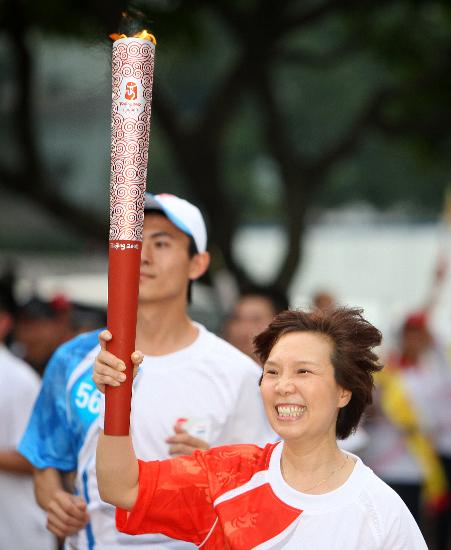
(182, 443)
(66, 514)
(108, 369)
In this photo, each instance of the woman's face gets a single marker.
(299, 390)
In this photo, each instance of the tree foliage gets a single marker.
(268, 111)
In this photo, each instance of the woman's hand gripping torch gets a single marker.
(132, 71)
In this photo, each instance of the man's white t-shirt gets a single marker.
(211, 385)
(22, 522)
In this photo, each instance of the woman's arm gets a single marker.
(116, 463)
(117, 470)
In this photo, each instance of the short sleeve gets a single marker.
(47, 441)
(173, 499)
(176, 496)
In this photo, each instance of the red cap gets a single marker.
(60, 303)
(416, 320)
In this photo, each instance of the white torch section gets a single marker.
(132, 80)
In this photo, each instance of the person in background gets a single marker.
(439, 358)
(428, 356)
(41, 327)
(323, 299)
(251, 314)
(410, 425)
(85, 318)
(302, 492)
(22, 522)
(194, 389)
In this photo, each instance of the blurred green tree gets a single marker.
(269, 111)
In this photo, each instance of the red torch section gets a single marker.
(123, 284)
(132, 78)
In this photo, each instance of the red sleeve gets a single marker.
(176, 496)
(173, 499)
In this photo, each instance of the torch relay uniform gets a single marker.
(235, 497)
(22, 522)
(209, 384)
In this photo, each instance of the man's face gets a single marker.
(41, 336)
(165, 263)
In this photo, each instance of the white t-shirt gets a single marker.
(22, 522)
(236, 497)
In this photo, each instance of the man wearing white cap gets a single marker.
(193, 390)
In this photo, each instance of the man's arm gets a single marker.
(14, 463)
(117, 470)
(66, 513)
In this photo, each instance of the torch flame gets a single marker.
(141, 34)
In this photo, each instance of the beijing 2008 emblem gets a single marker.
(130, 101)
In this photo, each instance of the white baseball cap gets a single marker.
(182, 214)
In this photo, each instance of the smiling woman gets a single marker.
(299, 492)
(335, 344)
(301, 397)
(316, 382)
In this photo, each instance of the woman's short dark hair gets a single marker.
(353, 339)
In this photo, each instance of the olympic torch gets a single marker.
(132, 79)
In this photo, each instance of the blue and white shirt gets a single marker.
(62, 430)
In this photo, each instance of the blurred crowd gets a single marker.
(29, 334)
(405, 438)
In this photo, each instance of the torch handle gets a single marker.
(123, 285)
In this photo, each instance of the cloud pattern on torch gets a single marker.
(132, 79)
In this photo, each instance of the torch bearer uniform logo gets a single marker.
(131, 101)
